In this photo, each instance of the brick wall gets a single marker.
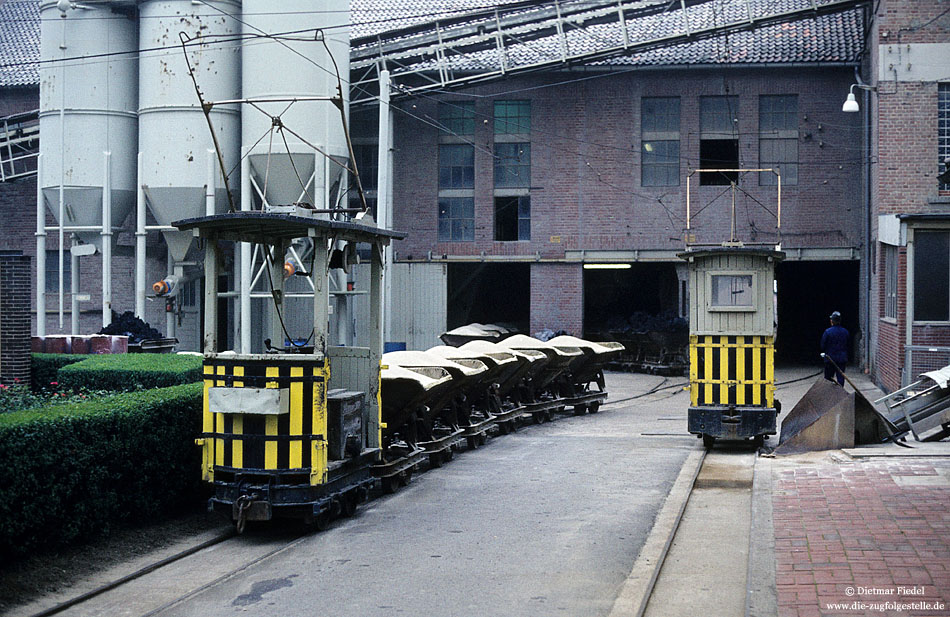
(585, 156)
(557, 297)
(14, 318)
(904, 164)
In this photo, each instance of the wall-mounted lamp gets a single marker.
(608, 266)
(851, 104)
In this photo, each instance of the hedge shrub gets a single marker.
(127, 372)
(71, 472)
(44, 366)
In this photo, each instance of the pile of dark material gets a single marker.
(129, 325)
(640, 322)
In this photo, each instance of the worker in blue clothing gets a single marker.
(834, 346)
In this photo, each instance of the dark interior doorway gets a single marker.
(489, 293)
(808, 292)
(613, 297)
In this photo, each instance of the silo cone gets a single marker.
(830, 418)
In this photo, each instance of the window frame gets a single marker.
(457, 118)
(522, 218)
(715, 133)
(501, 124)
(651, 136)
(732, 308)
(524, 153)
(466, 186)
(52, 271)
(771, 133)
(943, 131)
(916, 238)
(891, 258)
(451, 220)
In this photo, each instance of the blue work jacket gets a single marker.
(834, 343)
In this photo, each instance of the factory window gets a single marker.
(931, 276)
(512, 117)
(189, 293)
(890, 281)
(456, 219)
(732, 291)
(512, 218)
(456, 166)
(719, 138)
(512, 165)
(660, 141)
(778, 138)
(457, 118)
(52, 271)
(943, 131)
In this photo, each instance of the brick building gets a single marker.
(511, 181)
(909, 112)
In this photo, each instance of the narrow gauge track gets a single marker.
(231, 535)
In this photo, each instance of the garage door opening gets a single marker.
(808, 292)
(489, 293)
(617, 300)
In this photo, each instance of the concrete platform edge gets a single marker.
(635, 591)
(762, 597)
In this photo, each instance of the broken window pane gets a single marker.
(512, 218)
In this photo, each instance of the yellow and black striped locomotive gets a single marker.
(732, 342)
(295, 432)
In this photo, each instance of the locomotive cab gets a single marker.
(732, 325)
(293, 432)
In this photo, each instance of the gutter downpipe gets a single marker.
(867, 221)
(40, 251)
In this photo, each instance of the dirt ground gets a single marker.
(28, 578)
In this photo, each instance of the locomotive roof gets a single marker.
(255, 226)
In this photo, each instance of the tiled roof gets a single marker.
(836, 37)
(19, 42)
(824, 38)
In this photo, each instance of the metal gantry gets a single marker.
(483, 45)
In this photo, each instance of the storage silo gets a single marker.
(174, 137)
(292, 63)
(88, 103)
(295, 66)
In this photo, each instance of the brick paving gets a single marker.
(877, 530)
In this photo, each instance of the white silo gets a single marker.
(284, 167)
(294, 66)
(174, 138)
(88, 103)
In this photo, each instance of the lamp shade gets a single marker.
(850, 105)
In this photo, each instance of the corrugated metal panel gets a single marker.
(419, 304)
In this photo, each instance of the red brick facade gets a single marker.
(14, 318)
(903, 168)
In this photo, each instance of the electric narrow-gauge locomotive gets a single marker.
(732, 314)
(732, 342)
(295, 432)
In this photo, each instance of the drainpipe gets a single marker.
(40, 251)
(868, 266)
(909, 309)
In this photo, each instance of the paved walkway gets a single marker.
(861, 537)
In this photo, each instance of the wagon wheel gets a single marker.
(708, 441)
(349, 503)
(594, 407)
(405, 477)
(512, 426)
(473, 442)
(435, 460)
(758, 441)
(447, 455)
(580, 410)
(321, 521)
(390, 484)
(482, 439)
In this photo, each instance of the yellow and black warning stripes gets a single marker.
(274, 440)
(731, 370)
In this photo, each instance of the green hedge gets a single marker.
(132, 371)
(44, 366)
(71, 472)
